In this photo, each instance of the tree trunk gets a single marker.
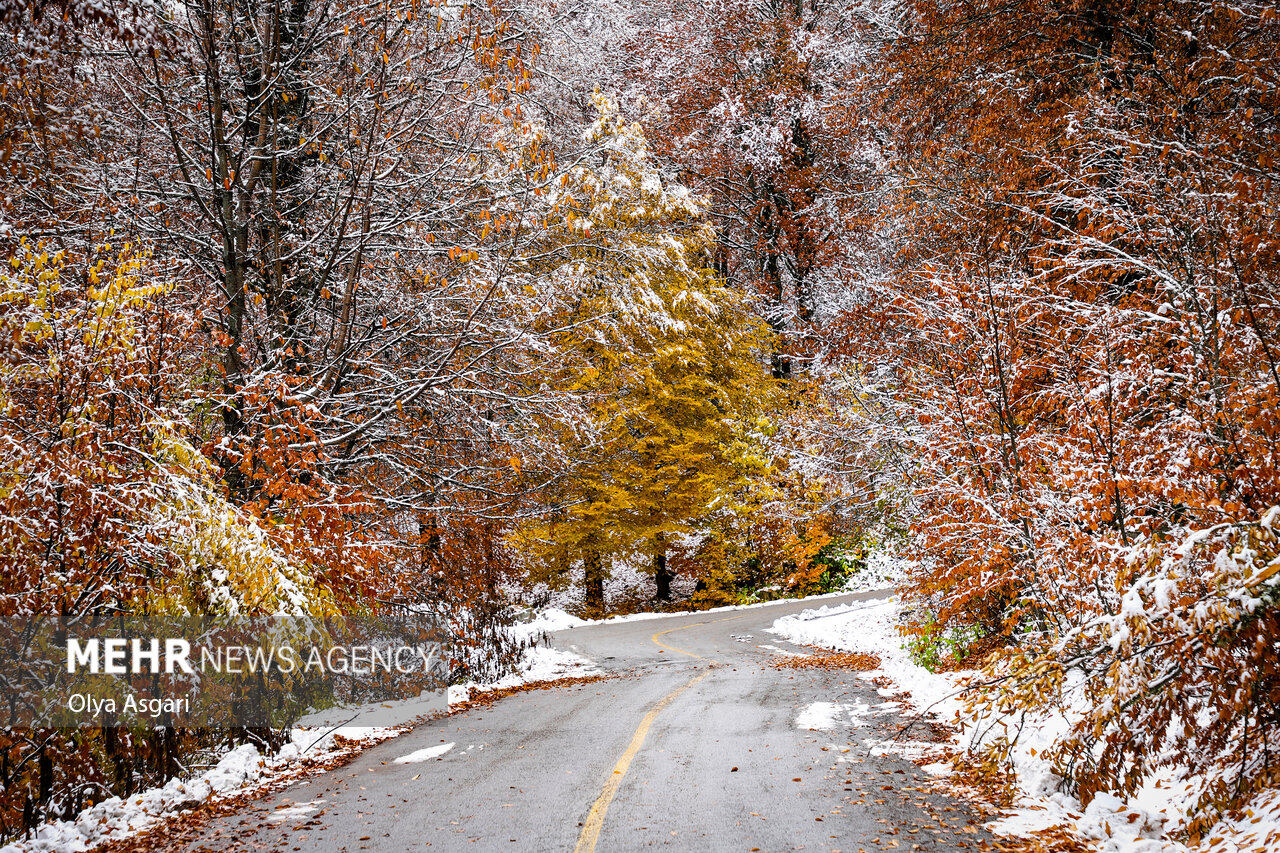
(490, 557)
(661, 574)
(593, 569)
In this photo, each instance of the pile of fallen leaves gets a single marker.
(856, 661)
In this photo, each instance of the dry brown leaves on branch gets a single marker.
(975, 657)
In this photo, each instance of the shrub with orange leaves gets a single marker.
(1086, 341)
(107, 509)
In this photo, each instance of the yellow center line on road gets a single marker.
(594, 823)
(655, 637)
(595, 818)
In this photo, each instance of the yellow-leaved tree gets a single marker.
(661, 361)
(110, 515)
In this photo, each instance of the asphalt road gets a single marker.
(694, 746)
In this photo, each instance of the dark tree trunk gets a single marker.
(661, 574)
(45, 764)
(594, 579)
(490, 557)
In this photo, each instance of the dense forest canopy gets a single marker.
(318, 305)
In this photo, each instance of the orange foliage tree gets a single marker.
(1084, 331)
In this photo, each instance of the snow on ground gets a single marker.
(540, 663)
(829, 716)
(1258, 829)
(367, 720)
(643, 617)
(549, 620)
(318, 739)
(1112, 825)
(634, 583)
(822, 716)
(556, 622)
(425, 754)
(871, 626)
(239, 770)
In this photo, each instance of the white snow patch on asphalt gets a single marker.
(860, 711)
(820, 716)
(829, 716)
(425, 754)
(782, 651)
(1140, 824)
(296, 810)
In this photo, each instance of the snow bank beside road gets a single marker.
(241, 770)
(550, 620)
(554, 619)
(871, 626)
(318, 740)
(539, 663)
(1142, 824)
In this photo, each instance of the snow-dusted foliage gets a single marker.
(660, 360)
(1177, 678)
(423, 316)
(1082, 328)
(108, 512)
